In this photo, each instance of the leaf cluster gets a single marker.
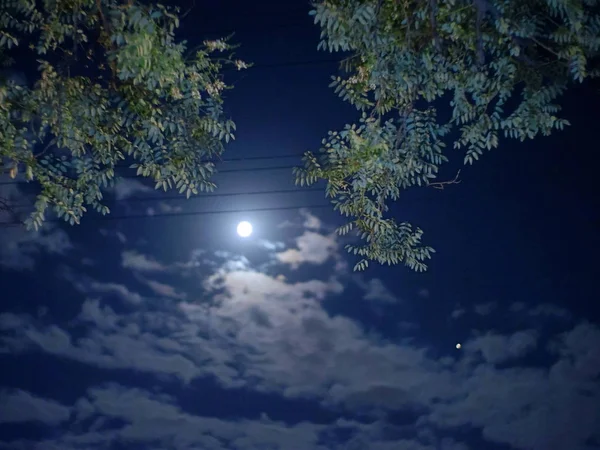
(113, 84)
(425, 75)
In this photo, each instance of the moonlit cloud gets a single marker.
(497, 349)
(221, 319)
(484, 309)
(128, 187)
(17, 406)
(131, 259)
(313, 248)
(19, 247)
(164, 290)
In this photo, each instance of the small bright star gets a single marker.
(458, 346)
(244, 229)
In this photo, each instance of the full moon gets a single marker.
(244, 229)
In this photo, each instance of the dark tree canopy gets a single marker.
(499, 66)
(112, 84)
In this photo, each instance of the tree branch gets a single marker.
(183, 16)
(442, 184)
(481, 8)
(7, 207)
(433, 22)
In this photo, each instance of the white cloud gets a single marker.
(579, 353)
(100, 315)
(130, 416)
(165, 207)
(266, 334)
(19, 406)
(311, 221)
(548, 310)
(142, 263)
(164, 290)
(118, 234)
(457, 313)
(534, 408)
(313, 248)
(116, 344)
(283, 342)
(88, 285)
(375, 290)
(120, 290)
(497, 348)
(484, 309)
(540, 311)
(270, 245)
(19, 247)
(128, 187)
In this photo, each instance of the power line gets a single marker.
(310, 62)
(256, 66)
(255, 169)
(199, 196)
(259, 158)
(230, 194)
(238, 159)
(181, 214)
(246, 169)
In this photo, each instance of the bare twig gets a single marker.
(402, 129)
(481, 7)
(442, 184)
(5, 205)
(8, 208)
(433, 9)
(183, 16)
(105, 36)
(46, 148)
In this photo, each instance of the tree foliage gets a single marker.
(427, 74)
(113, 84)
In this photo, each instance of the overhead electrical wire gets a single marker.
(248, 169)
(206, 195)
(178, 214)
(309, 62)
(236, 159)
(249, 158)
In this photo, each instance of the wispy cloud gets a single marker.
(120, 290)
(313, 248)
(128, 187)
(375, 290)
(164, 290)
(19, 247)
(484, 309)
(18, 406)
(284, 342)
(126, 415)
(260, 333)
(131, 259)
(496, 348)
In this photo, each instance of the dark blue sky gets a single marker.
(175, 333)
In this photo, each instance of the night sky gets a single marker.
(175, 333)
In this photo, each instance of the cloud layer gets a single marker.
(222, 320)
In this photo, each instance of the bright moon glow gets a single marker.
(244, 229)
(458, 346)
